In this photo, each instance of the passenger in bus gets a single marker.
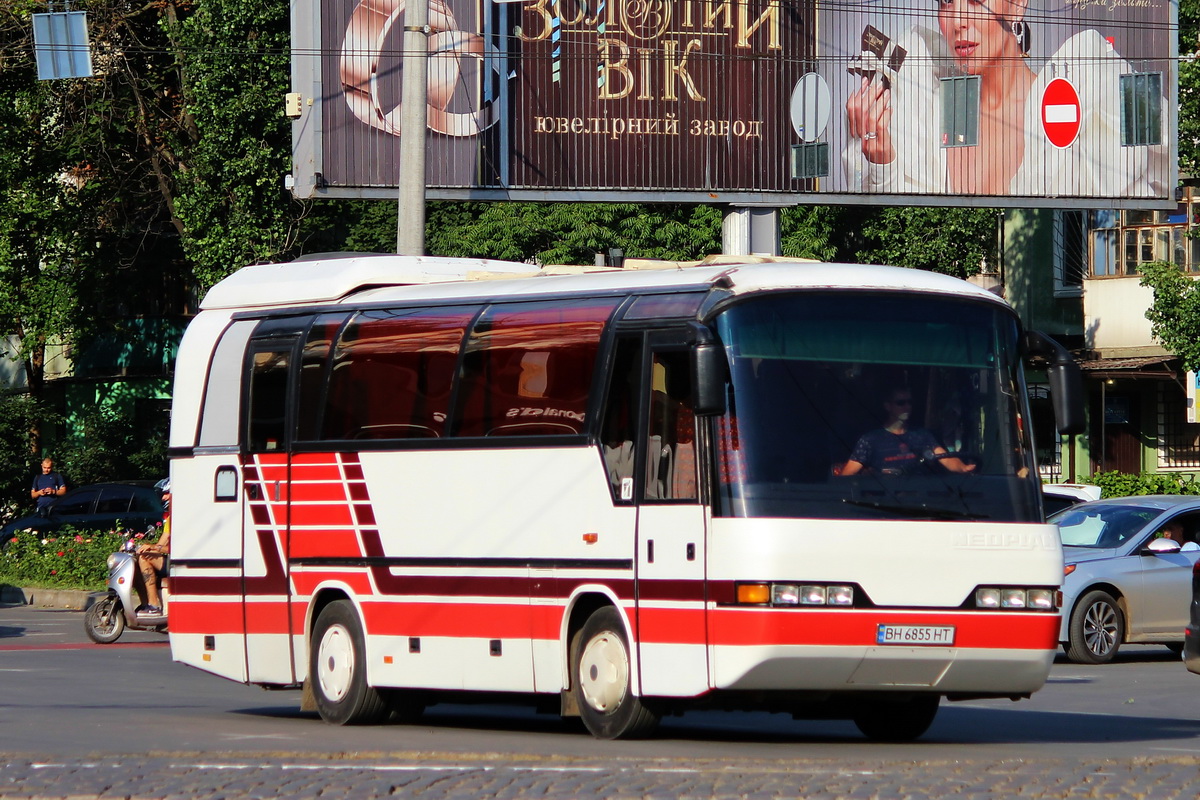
(152, 563)
(896, 449)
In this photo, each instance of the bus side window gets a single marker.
(392, 374)
(620, 416)
(312, 374)
(528, 369)
(671, 450)
(268, 400)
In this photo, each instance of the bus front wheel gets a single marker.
(886, 719)
(337, 668)
(601, 680)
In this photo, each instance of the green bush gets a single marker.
(1124, 484)
(65, 559)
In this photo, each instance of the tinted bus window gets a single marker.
(313, 360)
(268, 398)
(392, 374)
(528, 368)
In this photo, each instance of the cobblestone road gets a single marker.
(429, 775)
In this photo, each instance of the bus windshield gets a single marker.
(874, 405)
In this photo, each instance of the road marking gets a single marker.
(239, 736)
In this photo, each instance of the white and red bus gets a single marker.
(618, 494)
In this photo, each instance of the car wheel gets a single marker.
(601, 673)
(1097, 629)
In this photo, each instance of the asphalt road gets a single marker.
(80, 720)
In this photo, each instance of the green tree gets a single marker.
(86, 229)
(954, 241)
(19, 461)
(232, 59)
(1189, 87)
(1174, 313)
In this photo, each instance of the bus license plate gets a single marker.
(915, 634)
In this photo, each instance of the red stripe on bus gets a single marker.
(325, 544)
(325, 516)
(209, 618)
(313, 491)
(266, 617)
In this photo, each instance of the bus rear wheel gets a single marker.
(884, 719)
(337, 669)
(601, 674)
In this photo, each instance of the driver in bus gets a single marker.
(896, 449)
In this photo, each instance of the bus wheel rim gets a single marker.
(335, 663)
(604, 672)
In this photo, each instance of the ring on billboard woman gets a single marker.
(897, 140)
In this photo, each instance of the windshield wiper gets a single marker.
(920, 512)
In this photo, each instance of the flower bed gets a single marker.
(65, 559)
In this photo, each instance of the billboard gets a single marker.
(777, 102)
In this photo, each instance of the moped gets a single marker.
(115, 610)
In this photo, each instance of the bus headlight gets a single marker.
(1013, 598)
(795, 594)
(785, 594)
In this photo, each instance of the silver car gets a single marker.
(1128, 573)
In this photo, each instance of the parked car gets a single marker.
(1057, 496)
(1125, 580)
(135, 504)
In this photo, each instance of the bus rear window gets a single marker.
(528, 369)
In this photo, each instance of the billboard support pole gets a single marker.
(410, 214)
(750, 230)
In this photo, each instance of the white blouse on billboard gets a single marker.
(1096, 164)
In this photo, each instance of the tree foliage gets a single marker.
(232, 206)
(1174, 313)
(1189, 87)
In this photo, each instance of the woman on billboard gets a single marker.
(907, 132)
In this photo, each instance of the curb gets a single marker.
(72, 599)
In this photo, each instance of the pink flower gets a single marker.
(79, 538)
(53, 572)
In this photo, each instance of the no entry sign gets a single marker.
(1060, 112)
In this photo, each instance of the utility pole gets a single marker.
(410, 216)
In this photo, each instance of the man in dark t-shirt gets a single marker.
(895, 449)
(47, 486)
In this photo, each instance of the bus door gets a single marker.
(266, 489)
(671, 529)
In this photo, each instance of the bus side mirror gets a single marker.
(1066, 382)
(709, 371)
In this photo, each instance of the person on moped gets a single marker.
(152, 564)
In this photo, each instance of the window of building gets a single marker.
(1141, 108)
(1178, 439)
(1123, 242)
(1070, 252)
(960, 111)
